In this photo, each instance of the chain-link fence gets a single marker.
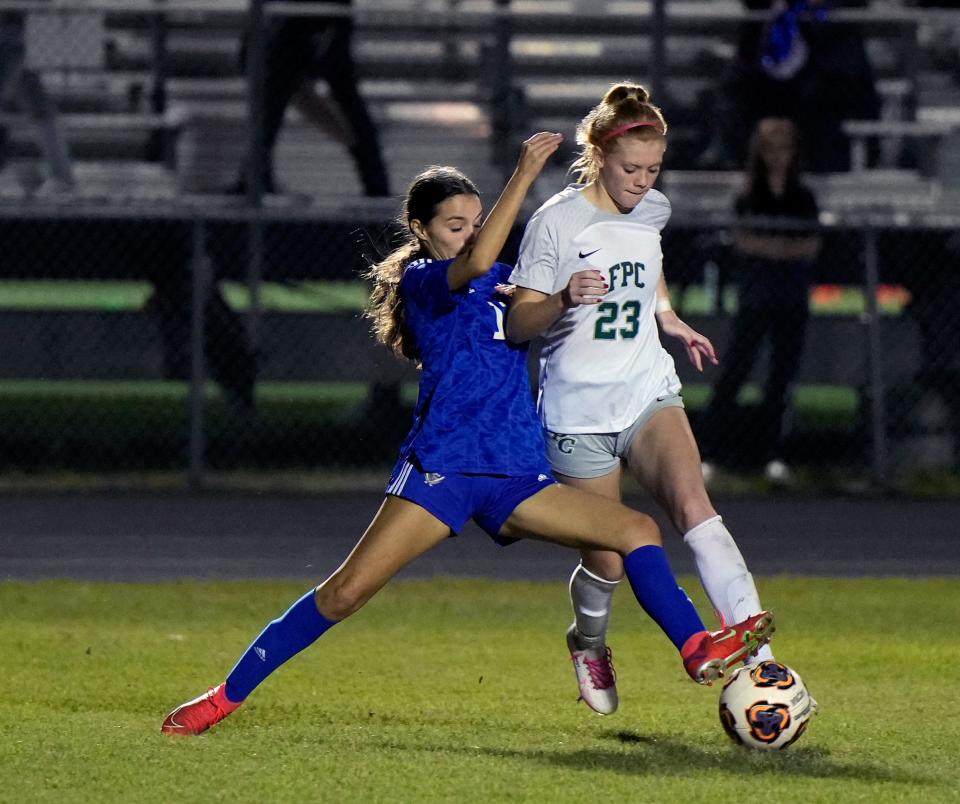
(143, 347)
(183, 220)
(857, 381)
(173, 339)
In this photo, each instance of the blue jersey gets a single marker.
(475, 412)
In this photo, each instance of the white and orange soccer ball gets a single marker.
(766, 705)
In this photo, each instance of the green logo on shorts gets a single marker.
(565, 443)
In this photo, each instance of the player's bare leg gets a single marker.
(576, 518)
(665, 460)
(400, 532)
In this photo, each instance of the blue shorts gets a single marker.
(455, 498)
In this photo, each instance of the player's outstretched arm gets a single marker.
(477, 260)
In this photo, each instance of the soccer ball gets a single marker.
(765, 705)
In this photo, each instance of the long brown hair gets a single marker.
(427, 192)
(623, 104)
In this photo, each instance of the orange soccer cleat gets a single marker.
(708, 655)
(198, 715)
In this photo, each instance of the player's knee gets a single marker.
(637, 530)
(690, 510)
(604, 564)
(340, 597)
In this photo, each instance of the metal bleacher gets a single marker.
(158, 124)
(153, 132)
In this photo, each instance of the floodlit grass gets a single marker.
(132, 425)
(814, 401)
(462, 691)
(815, 405)
(120, 426)
(337, 296)
(112, 296)
(826, 300)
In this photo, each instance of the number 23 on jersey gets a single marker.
(617, 320)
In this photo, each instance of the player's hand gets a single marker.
(698, 346)
(585, 287)
(535, 152)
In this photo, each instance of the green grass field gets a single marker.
(337, 296)
(91, 425)
(461, 691)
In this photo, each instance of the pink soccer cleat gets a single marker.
(595, 675)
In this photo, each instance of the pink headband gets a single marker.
(625, 128)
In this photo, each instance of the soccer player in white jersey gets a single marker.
(590, 282)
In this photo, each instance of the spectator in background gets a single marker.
(229, 355)
(773, 271)
(299, 51)
(22, 86)
(800, 65)
(943, 36)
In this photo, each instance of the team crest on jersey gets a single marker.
(626, 273)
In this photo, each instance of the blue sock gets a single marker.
(657, 591)
(299, 627)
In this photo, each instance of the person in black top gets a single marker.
(299, 51)
(801, 64)
(773, 269)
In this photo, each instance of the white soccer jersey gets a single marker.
(600, 364)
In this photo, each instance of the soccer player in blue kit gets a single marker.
(475, 449)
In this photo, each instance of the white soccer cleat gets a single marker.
(595, 675)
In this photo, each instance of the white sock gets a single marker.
(724, 575)
(592, 597)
